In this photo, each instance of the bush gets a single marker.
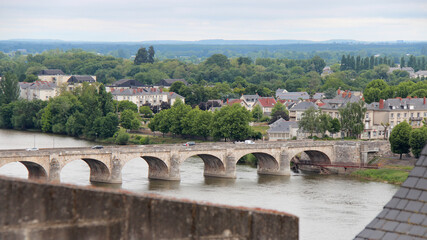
(294, 138)
(144, 141)
(265, 119)
(121, 137)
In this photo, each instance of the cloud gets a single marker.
(134, 20)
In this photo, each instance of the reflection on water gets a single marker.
(328, 206)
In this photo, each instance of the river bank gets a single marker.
(391, 170)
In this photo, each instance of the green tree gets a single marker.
(127, 105)
(309, 121)
(324, 123)
(257, 113)
(351, 118)
(335, 126)
(9, 88)
(130, 120)
(330, 93)
(399, 138)
(122, 137)
(417, 140)
(177, 113)
(279, 107)
(218, 59)
(231, 122)
(151, 53)
(146, 111)
(141, 56)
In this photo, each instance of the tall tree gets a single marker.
(9, 88)
(309, 121)
(141, 56)
(417, 140)
(151, 54)
(257, 112)
(399, 138)
(351, 118)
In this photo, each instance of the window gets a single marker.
(425, 114)
(418, 114)
(404, 115)
(392, 115)
(367, 115)
(398, 115)
(412, 114)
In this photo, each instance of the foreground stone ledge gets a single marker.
(37, 210)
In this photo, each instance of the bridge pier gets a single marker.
(273, 165)
(54, 170)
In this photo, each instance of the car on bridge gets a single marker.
(32, 149)
(189, 144)
(98, 147)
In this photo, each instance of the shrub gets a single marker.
(122, 137)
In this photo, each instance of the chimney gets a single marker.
(363, 98)
(409, 97)
(424, 101)
(339, 91)
(227, 101)
(349, 95)
(381, 103)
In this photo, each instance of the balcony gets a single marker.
(415, 118)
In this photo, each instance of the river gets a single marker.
(328, 206)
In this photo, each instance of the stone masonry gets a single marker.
(41, 211)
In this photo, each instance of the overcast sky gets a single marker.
(142, 20)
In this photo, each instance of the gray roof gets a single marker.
(127, 83)
(303, 106)
(141, 92)
(51, 72)
(405, 215)
(169, 82)
(340, 100)
(399, 104)
(39, 85)
(297, 95)
(282, 126)
(81, 79)
(250, 98)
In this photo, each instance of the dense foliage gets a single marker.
(230, 122)
(399, 138)
(88, 111)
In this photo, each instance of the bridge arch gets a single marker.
(35, 171)
(157, 168)
(314, 156)
(99, 171)
(266, 162)
(213, 165)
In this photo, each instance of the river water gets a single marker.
(328, 206)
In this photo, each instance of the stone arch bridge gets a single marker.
(164, 161)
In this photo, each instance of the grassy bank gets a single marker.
(394, 174)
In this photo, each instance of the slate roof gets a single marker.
(302, 106)
(399, 104)
(51, 72)
(127, 83)
(282, 126)
(81, 79)
(39, 85)
(250, 98)
(405, 215)
(169, 82)
(294, 96)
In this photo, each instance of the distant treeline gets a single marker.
(196, 53)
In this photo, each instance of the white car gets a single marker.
(32, 149)
(249, 142)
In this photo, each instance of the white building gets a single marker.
(38, 90)
(141, 96)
